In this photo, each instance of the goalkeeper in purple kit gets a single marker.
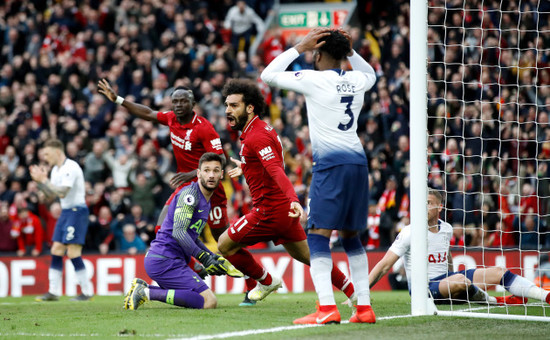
(177, 241)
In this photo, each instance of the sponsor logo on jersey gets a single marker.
(298, 75)
(216, 144)
(267, 153)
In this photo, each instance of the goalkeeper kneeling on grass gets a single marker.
(177, 241)
(444, 284)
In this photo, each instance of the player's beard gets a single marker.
(240, 120)
(205, 183)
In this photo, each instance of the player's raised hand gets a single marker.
(106, 89)
(237, 171)
(348, 36)
(38, 173)
(296, 211)
(310, 41)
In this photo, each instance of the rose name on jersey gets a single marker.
(181, 143)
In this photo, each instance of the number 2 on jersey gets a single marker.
(348, 100)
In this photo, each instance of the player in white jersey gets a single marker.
(444, 283)
(339, 188)
(66, 183)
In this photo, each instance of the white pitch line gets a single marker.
(272, 330)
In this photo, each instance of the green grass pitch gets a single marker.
(104, 318)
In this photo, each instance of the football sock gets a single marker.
(476, 294)
(321, 268)
(520, 286)
(55, 275)
(359, 268)
(80, 270)
(250, 283)
(340, 281)
(177, 297)
(243, 261)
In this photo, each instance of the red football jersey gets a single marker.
(263, 167)
(190, 141)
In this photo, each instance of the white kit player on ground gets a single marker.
(338, 197)
(445, 285)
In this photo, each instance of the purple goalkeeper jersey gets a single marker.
(187, 215)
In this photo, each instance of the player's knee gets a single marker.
(210, 301)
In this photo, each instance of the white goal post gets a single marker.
(515, 91)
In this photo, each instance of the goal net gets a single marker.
(488, 144)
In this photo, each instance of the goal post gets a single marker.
(479, 132)
(418, 167)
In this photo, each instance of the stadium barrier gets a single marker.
(112, 274)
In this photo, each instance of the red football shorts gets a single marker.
(218, 209)
(267, 224)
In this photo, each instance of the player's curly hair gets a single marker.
(250, 91)
(337, 45)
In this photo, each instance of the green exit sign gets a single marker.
(305, 19)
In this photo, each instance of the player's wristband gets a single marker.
(119, 100)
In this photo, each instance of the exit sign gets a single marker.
(305, 19)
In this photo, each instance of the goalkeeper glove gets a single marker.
(212, 264)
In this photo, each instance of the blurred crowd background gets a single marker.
(488, 105)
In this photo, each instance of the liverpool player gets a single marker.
(191, 136)
(277, 211)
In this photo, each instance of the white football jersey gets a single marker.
(334, 99)
(70, 175)
(438, 249)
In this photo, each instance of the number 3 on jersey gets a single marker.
(348, 100)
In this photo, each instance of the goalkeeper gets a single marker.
(177, 241)
(444, 283)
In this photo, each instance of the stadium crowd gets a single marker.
(489, 137)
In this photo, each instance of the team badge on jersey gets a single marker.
(189, 199)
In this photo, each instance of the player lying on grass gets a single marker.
(177, 241)
(445, 285)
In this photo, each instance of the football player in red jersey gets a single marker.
(191, 137)
(277, 211)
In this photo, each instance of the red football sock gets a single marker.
(363, 308)
(243, 261)
(340, 281)
(326, 308)
(250, 284)
(548, 298)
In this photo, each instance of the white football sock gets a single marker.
(55, 277)
(320, 269)
(525, 288)
(359, 271)
(85, 284)
(481, 295)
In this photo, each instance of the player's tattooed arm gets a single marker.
(450, 262)
(52, 191)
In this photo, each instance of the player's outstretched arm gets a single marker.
(382, 267)
(236, 171)
(137, 110)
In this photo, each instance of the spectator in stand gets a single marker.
(49, 216)
(145, 227)
(28, 232)
(244, 24)
(129, 242)
(100, 236)
(7, 242)
(120, 168)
